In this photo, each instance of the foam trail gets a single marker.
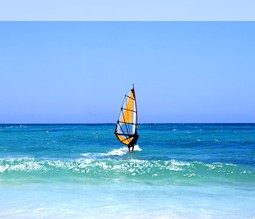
(137, 148)
(116, 152)
(120, 152)
(124, 150)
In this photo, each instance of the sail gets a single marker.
(126, 128)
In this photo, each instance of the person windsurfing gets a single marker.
(126, 127)
(132, 144)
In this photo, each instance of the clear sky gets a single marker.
(78, 72)
(127, 10)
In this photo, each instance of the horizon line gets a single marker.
(110, 123)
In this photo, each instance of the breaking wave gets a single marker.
(172, 171)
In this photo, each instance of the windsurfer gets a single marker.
(131, 145)
(126, 127)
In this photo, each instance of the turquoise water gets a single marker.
(82, 171)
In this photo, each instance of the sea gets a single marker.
(83, 171)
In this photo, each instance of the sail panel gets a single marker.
(128, 109)
(127, 121)
(123, 139)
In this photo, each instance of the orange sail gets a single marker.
(126, 128)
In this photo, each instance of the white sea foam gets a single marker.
(94, 155)
(116, 152)
(124, 150)
(119, 152)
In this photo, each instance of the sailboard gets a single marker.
(126, 127)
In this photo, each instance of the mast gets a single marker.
(135, 108)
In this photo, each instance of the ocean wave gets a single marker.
(171, 170)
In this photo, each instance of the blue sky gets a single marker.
(127, 10)
(71, 72)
